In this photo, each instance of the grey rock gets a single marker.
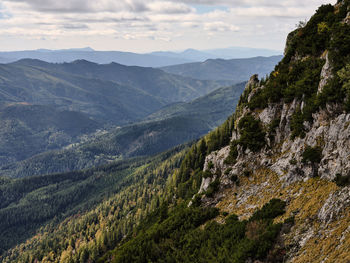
(326, 73)
(335, 204)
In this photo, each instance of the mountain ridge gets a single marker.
(214, 69)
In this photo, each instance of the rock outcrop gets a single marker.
(307, 148)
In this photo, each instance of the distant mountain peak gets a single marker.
(82, 62)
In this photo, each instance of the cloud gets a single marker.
(170, 8)
(219, 26)
(84, 6)
(162, 24)
(75, 26)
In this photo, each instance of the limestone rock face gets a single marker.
(326, 74)
(347, 19)
(282, 168)
(217, 158)
(335, 204)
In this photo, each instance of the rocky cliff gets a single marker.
(291, 140)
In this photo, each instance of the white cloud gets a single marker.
(170, 7)
(219, 26)
(83, 6)
(159, 24)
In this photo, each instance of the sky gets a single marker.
(150, 25)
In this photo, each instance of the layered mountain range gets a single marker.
(48, 110)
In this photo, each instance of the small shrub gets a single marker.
(274, 124)
(252, 134)
(297, 125)
(312, 154)
(247, 173)
(231, 158)
(234, 178)
(224, 214)
(213, 188)
(210, 165)
(207, 174)
(227, 171)
(255, 229)
(197, 200)
(342, 180)
(290, 220)
(270, 210)
(293, 162)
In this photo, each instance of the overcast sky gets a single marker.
(148, 25)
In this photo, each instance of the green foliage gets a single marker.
(271, 130)
(293, 162)
(227, 171)
(270, 210)
(274, 124)
(141, 139)
(342, 180)
(297, 76)
(340, 45)
(179, 238)
(312, 154)
(221, 136)
(234, 178)
(247, 173)
(252, 134)
(213, 188)
(233, 154)
(107, 203)
(344, 75)
(297, 125)
(207, 174)
(303, 79)
(27, 130)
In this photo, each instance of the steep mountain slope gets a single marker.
(101, 57)
(27, 130)
(218, 69)
(30, 203)
(290, 141)
(170, 127)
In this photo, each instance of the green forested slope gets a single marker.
(110, 193)
(101, 99)
(27, 130)
(165, 129)
(153, 82)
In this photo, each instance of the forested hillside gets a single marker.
(27, 130)
(171, 126)
(46, 107)
(100, 99)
